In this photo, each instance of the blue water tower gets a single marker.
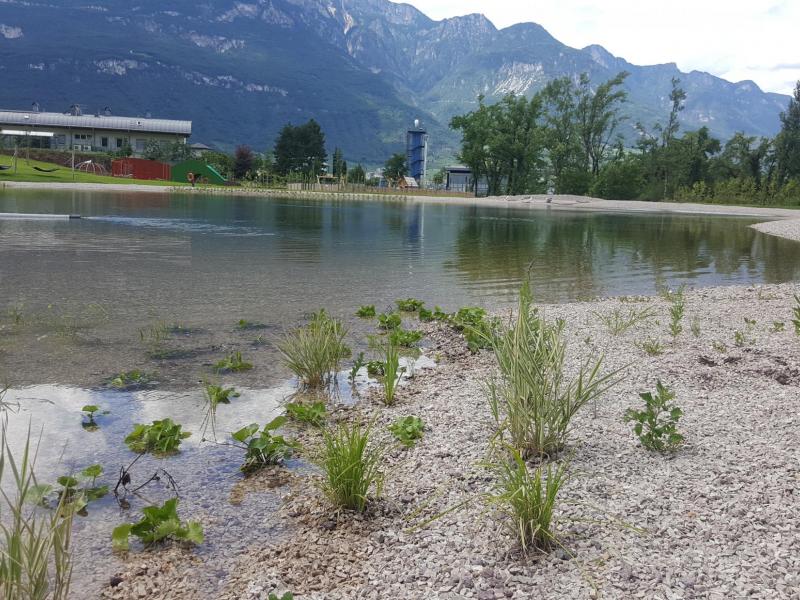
(417, 152)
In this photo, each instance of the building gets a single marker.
(417, 153)
(461, 179)
(100, 132)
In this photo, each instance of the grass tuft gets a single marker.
(315, 352)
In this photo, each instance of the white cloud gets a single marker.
(734, 39)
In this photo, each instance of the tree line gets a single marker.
(567, 139)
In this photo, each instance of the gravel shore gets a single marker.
(718, 519)
(789, 228)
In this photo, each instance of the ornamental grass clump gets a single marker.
(352, 467)
(527, 500)
(533, 401)
(35, 544)
(315, 351)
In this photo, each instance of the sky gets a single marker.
(756, 40)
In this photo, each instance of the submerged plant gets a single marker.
(132, 379)
(315, 351)
(389, 321)
(404, 338)
(351, 466)
(656, 425)
(313, 414)
(158, 523)
(35, 545)
(161, 437)
(233, 363)
(90, 411)
(528, 500)
(407, 430)
(618, 322)
(72, 492)
(367, 311)
(533, 401)
(262, 447)
(410, 305)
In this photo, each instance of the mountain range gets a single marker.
(365, 69)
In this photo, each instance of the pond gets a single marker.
(83, 300)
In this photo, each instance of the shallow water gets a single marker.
(76, 296)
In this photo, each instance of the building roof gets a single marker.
(199, 146)
(51, 119)
(458, 169)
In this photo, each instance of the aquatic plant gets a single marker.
(132, 379)
(315, 351)
(157, 524)
(233, 363)
(409, 305)
(389, 321)
(618, 322)
(376, 368)
(404, 338)
(477, 329)
(656, 425)
(216, 394)
(532, 401)
(161, 437)
(526, 500)
(351, 466)
(651, 347)
(262, 447)
(35, 545)
(407, 430)
(72, 492)
(367, 311)
(313, 414)
(89, 412)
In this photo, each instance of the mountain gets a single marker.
(365, 69)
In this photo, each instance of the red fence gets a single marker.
(139, 168)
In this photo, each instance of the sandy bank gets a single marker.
(789, 228)
(717, 519)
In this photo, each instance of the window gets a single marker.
(140, 145)
(104, 142)
(119, 143)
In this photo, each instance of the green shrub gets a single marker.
(161, 437)
(158, 523)
(410, 305)
(390, 321)
(262, 447)
(366, 311)
(528, 501)
(352, 468)
(314, 352)
(407, 430)
(656, 425)
(404, 338)
(532, 401)
(233, 363)
(313, 414)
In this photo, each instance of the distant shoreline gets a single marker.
(782, 222)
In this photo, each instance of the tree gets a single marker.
(561, 135)
(339, 164)
(300, 149)
(787, 142)
(395, 168)
(243, 162)
(358, 175)
(598, 117)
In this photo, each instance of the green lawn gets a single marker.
(26, 172)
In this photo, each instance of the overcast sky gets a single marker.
(734, 39)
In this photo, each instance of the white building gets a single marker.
(101, 132)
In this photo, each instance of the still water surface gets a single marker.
(75, 295)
